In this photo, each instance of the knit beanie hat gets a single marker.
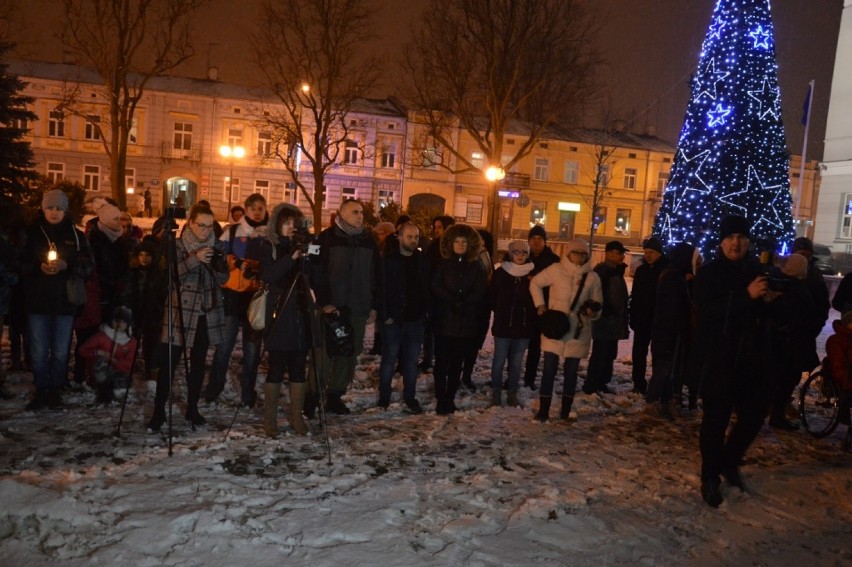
(577, 245)
(795, 266)
(55, 198)
(108, 213)
(124, 314)
(537, 230)
(733, 224)
(653, 243)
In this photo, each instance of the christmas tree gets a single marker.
(731, 156)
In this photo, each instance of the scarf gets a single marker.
(255, 224)
(113, 235)
(347, 228)
(517, 270)
(192, 244)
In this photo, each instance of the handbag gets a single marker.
(556, 324)
(76, 290)
(257, 309)
(338, 333)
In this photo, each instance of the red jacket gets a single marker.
(125, 348)
(838, 350)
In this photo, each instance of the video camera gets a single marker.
(591, 305)
(303, 238)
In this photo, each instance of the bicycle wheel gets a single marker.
(819, 405)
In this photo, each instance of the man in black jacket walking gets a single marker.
(643, 297)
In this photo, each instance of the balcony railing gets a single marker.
(168, 152)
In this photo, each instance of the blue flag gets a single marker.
(806, 106)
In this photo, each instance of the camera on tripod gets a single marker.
(303, 237)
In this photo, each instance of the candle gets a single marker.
(51, 254)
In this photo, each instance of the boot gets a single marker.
(335, 405)
(543, 408)
(310, 410)
(496, 397)
(297, 405)
(38, 402)
(512, 399)
(271, 395)
(565, 412)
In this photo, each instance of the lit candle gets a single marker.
(51, 254)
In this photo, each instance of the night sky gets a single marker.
(651, 48)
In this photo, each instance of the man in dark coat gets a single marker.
(345, 280)
(611, 327)
(433, 253)
(732, 344)
(643, 297)
(818, 290)
(403, 299)
(542, 256)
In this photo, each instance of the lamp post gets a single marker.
(231, 153)
(495, 174)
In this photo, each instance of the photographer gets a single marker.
(572, 282)
(198, 317)
(286, 335)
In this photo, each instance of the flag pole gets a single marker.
(807, 119)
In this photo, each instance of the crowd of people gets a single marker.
(732, 331)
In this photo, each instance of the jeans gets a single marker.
(50, 339)
(513, 349)
(569, 371)
(533, 358)
(222, 359)
(405, 340)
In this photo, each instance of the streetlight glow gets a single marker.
(495, 173)
(231, 153)
(306, 88)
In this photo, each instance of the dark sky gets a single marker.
(652, 47)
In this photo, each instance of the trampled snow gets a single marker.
(486, 486)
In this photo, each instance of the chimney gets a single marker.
(212, 73)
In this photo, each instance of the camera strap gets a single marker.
(579, 291)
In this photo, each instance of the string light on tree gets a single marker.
(731, 156)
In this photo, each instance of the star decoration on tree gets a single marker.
(760, 37)
(716, 29)
(769, 97)
(718, 115)
(714, 77)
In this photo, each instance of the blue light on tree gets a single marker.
(731, 156)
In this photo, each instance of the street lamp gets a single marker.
(231, 153)
(495, 174)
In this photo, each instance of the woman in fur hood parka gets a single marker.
(458, 288)
(564, 280)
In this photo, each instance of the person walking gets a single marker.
(732, 344)
(611, 327)
(575, 290)
(640, 309)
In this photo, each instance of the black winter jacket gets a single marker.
(458, 289)
(643, 296)
(514, 313)
(112, 261)
(612, 324)
(346, 270)
(392, 293)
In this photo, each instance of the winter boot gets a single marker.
(496, 397)
(310, 410)
(512, 399)
(38, 402)
(271, 395)
(543, 408)
(335, 405)
(565, 412)
(297, 405)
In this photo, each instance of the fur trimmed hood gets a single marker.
(271, 232)
(474, 241)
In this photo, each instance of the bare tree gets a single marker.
(310, 53)
(127, 42)
(497, 67)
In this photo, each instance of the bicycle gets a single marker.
(820, 403)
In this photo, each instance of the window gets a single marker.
(846, 223)
(600, 218)
(262, 186)
(92, 131)
(622, 222)
(19, 124)
(477, 160)
(129, 179)
(572, 172)
(538, 213)
(347, 193)
(631, 156)
(91, 177)
(235, 137)
(469, 208)
(55, 172)
(662, 181)
(56, 124)
(542, 167)
(232, 191)
(290, 193)
(386, 197)
(389, 157)
(630, 177)
(603, 175)
(264, 143)
(183, 136)
(133, 134)
(351, 154)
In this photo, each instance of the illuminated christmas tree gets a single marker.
(731, 156)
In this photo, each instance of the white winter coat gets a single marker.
(563, 278)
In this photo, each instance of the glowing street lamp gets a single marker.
(494, 174)
(231, 153)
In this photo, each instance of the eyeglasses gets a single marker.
(520, 252)
(204, 226)
(579, 253)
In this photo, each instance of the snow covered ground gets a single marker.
(486, 486)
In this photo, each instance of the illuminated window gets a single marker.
(846, 223)
(622, 222)
(538, 212)
(600, 218)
